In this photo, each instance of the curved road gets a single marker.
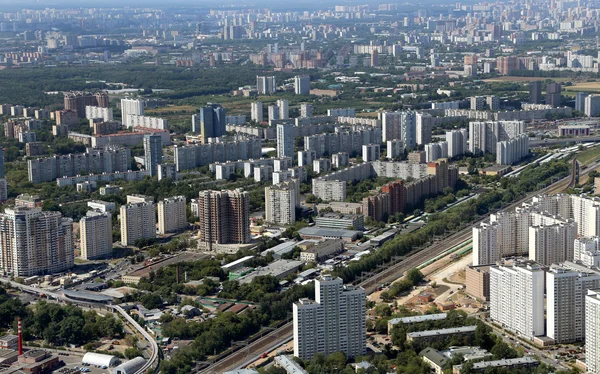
(154, 347)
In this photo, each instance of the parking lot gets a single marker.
(75, 361)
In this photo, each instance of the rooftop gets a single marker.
(450, 331)
(86, 295)
(434, 356)
(332, 233)
(417, 319)
(290, 366)
(504, 362)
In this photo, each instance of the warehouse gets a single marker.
(131, 366)
(99, 360)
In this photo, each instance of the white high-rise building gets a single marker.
(280, 203)
(510, 234)
(33, 242)
(517, 298)
(265, 85)
(284, 110)
(172, 214)
(484, 136)
(587, 251)
(370, 152)
(513, 150)
(423, 127)
(273, 112)
(138, 220)
(434, 151)
(457, 142)
(285, 140)
(334, 322)
(592, 105)
(566, 287)
(552, 244)
(131, 107)
(96, 235)
(394, 149)
(592, 331)
(257, 111)
(401, 126)
(302, 84)
(306, 110)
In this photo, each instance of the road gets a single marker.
(115, 308)
(550, 141)
(393, 272)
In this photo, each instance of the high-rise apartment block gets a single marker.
(209, 122)
(333, 322)
(566, 287)
(285, 140)
(256, 111)
(513, 150)
(273, 112)
(284, 110)
(172, 214)
(94, 161)
(152, 153)
(138, 219)
(592, 331)
(265, 85)
(484, 136)
(302, 84)
(131, 107)
(434, 151)
(394, 149)
(517, 298)
(592, 105)
(556, 221)
(457, 142)
(77, 101)
(33, 242)
(553, 91)
(370, 152)
(280, 203)
(401, 126)
(96, 235)
(224, 217)
(196, 155)
(580, 101)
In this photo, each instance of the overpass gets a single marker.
(115, 308)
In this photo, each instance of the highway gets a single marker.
(244, 354)
(115, 308)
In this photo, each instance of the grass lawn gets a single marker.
(589, 155)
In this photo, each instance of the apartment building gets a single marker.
(172, 214)
(280, 203)
(566, 287)
(131, 107)
(592, 331)
(96, 234)
(224, 217)
(138, 219)
(33, 242)
(517, 298)
(333, 322)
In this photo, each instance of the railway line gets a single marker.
(244, 354)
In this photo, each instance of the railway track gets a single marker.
(393, 272)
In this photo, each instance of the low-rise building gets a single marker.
(314, 251)
(341, 221)
(439, 335)
(506, 363)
